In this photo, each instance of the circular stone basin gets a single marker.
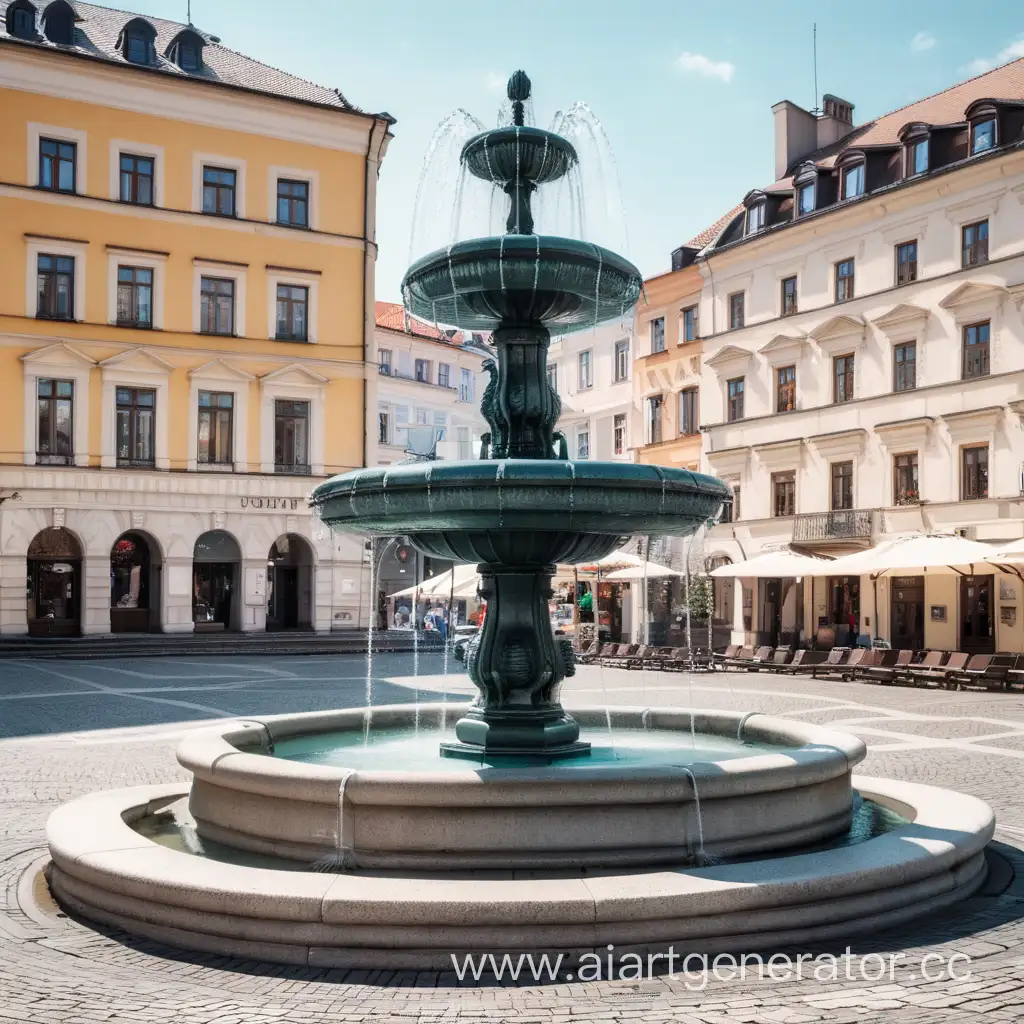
(520, 510)
(483, 283)
(532, 154)
(765, 784)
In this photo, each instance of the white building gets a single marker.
(863, 370)
(592, 372)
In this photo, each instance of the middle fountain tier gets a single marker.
(523, 506)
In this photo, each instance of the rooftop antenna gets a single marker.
(815, 109)
(189, 4)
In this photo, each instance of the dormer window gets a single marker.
(188, 56)
(136, 42)
(917, 156)
(805, 199)
(853, 181)
(186, 50)
(755, 218)
(59, 23)
(137, 51)
(983, 135)
(21, 20)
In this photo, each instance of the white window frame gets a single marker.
(205, 268)
(37, 131)
(589, 353)
(58, 362)
(229, 163)
(218, 375)
(156, 378)
(117, 257)
(33, 249)
(582, 430)
(272, 387)
(129, 148)
(312, 178)
(297, 279)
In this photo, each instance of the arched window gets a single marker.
(852, 176)
(186, 50)
(916, 149)
(137, 42)
(756, 205)
(984, 121)
(21, 20)
(805, 189)
(59, 23)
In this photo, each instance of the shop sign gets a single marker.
(274, 504)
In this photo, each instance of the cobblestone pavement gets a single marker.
(72, 727)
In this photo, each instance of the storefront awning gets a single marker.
(774, 564)
(916, 553)
(441, 585)
(649, 570)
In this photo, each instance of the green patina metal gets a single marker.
(523, 506)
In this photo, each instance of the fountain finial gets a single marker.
(518, 91)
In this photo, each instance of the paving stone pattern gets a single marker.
(71, 727)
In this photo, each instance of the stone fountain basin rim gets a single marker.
(511, 133)
(808, 755)
(91, 842)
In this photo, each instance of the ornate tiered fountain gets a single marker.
(515, 833)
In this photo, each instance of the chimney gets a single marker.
(836, 120)
(796, 135)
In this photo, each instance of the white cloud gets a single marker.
(922, 41)
(705, 66)
(493, 82)
(980, 65)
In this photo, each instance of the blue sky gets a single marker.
(683, 89)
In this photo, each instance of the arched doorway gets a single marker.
(134, 585)
(54, 584)
(290, 583)
(216, 562)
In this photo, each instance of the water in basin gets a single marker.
(409, 750)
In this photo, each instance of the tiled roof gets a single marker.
(97, 30)
(709, 234)
(393, 317)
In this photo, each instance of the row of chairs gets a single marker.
(669, 659)
(954, 670)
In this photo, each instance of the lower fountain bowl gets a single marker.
(520, 510)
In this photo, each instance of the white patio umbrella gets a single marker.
(614, 560)
(943, 553)
(441, 585)
(772, 564)
(650, 570)
(1008, 554)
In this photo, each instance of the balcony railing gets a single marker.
(849, 524)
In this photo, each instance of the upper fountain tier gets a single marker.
(520, 278)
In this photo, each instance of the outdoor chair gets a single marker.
(638, 658)
(589, 652)
(1015, 674)
(730, 652)
(617, 657)
(990, 671)
(657, 658)
(782, 656)
(976, 667)
(762, 656)
(931, 667)
(836, 657)
(892, 665)
(743, 657)
(677, 660)
(803, 661)
(839, 662)
(873, 658)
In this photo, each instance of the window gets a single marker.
(976, 350)
(906, 262)
(467, 385)
(844, 281)
(217, 305)
(135, 296)
(735, 403)
(904, 479)
(219, 191)
(785, 389)
(736, 310)
(292, 310)
(805, 199)
(55, 287)
(690, 324)
(444, 375)
(784, 494)
(293, 203)
(974, 473)
(788, 296)
(904, 366)
(619, 434)
(136, 427)
(136, 48)
(654, 418)
(689, 406)
(59, 24)
(57, 165)
(136, 179)
(853, 181)
(215, 414)
(755, 218)
(736, 503)
(23, 22)
(55, 417)
(291, 437)
(658, 334)
(586, 379)
(552, 378)
(188, 55)
(384, 361)
(975, 244)
(423, 371)
(917, 157)
(583, 442)
(983, 135)
(621, 359)
(421, 417)
(842, 378)
(842, 486)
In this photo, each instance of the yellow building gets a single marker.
(186, 329)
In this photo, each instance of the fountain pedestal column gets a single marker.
(517, 664)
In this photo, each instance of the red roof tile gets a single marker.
(709, 234)
(392, 317)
